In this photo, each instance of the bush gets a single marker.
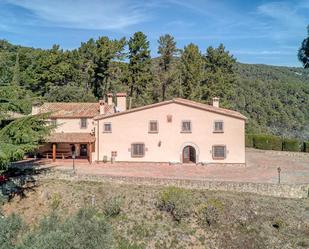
(176, 201)
(208, 213)
(291, 145)
(86, 229)
(267, 142)
(306, 146)
(10, 227)
(249, 140)
(112, 206)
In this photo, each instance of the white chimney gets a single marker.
(121, 102)
(215, 101)
(35, 109)
(102, 106)
(109, 98)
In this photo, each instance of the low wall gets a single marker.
(267, 189)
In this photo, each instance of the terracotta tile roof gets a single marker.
(186, 102)
(71, 110)
(71, 138)
(210, 108)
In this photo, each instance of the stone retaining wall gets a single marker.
(267, 189)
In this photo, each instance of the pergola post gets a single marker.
(54, 152)
(90, 152)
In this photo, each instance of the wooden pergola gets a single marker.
(71, 138)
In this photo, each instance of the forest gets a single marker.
(275, 99)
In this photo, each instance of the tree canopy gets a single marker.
(303, 52)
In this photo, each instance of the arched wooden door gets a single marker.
(189, 154)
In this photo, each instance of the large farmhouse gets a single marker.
(177, 130)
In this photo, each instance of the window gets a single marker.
(137, 150)
(186, 126)
(218, 152)
(218, 126)
(53, 122)
(107, 127)
(83, 123)
(153, 126)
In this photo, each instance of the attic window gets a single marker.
(169, 118)
(107, 127)
(218, 126)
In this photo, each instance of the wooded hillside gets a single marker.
(275, 99)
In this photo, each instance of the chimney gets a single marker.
(215, 101)
(121, 102)
(35, 108)
(102, 106)
(109, 98)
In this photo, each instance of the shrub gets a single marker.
(306, 146)
(55, 201)
(112, 206)
(267, 142)
(291, 145)
(84, 230)
(249, 140)
(10, 227)
(176, 201)
(208, 213)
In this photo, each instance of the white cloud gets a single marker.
(285, 13)
(91, 14)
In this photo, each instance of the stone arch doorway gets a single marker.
(189, 154)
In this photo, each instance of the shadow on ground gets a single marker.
(19, 179)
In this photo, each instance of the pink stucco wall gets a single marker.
(73, 125)
(167, 145)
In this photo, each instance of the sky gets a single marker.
(254, 31)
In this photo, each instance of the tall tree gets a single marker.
(16, 72)
(107, 51)
(219, 74)
(140, 75)
(303, 52)
(191, 69)
(167, 50)
(22, 136)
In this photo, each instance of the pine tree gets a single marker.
(16, 72)
(107, 51)
(191, 70)
(167, 49)
(220, 75)
(303, 52)
(140, 75)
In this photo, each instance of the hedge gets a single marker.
(267, 142)
(291, 145)
(306, 146)
(249, 140)
(271, 142)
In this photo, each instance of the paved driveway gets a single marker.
(261, 166)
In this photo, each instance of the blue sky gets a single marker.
(256, 31)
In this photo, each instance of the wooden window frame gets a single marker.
(81, 123)
(107, 123)
(132, 150)
(213, 152)
(214, 127)
(149, 126)
(183, 121)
